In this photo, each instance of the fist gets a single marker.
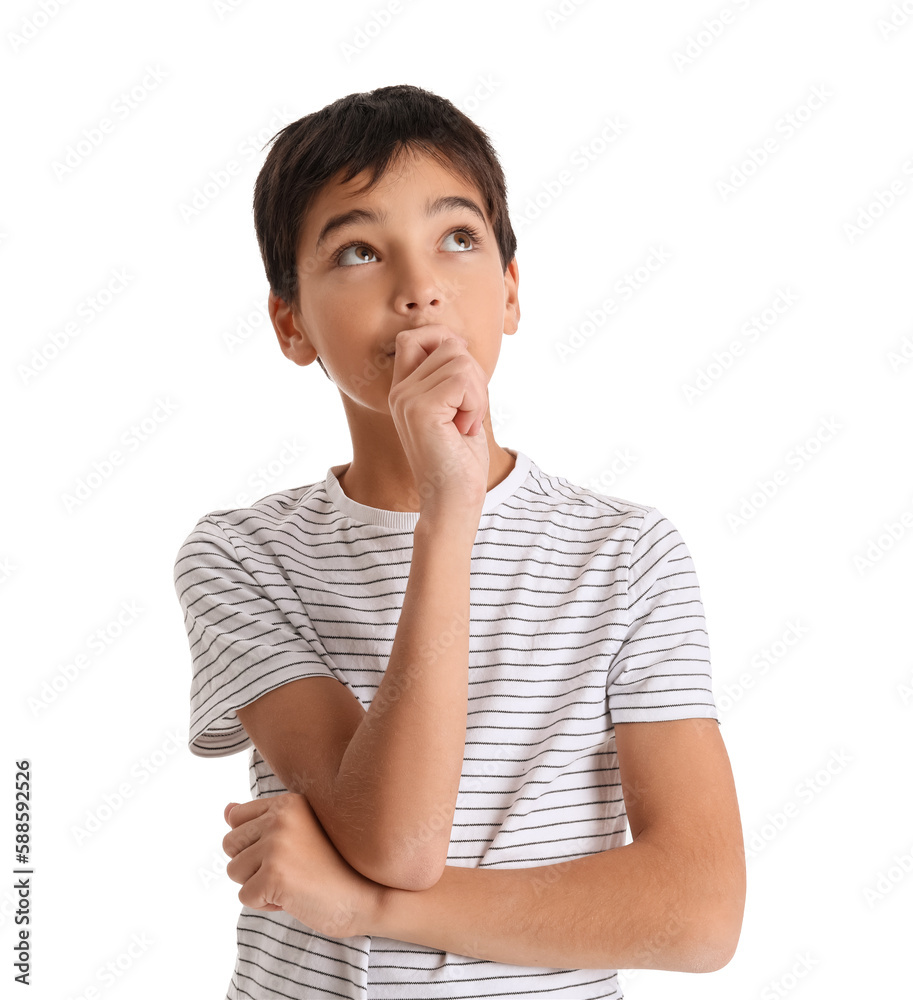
(438, 401)
(283, 860)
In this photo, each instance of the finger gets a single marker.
(242, 837)
(256, 891)
(435, 367)
(414, 346)
(466, 393)
(245, 865)
(236, 814)
(460, 387)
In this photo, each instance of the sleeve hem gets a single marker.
(664, 713)
(206, 741)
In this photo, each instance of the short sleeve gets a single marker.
(238, 613)
(662, 670)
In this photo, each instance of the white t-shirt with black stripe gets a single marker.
(585, 611)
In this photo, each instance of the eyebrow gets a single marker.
(369, 216)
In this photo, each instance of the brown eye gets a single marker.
(363, 251)
(466, 237)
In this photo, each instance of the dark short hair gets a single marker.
(365, 132)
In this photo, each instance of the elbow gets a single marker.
(708, 955)
(700, 930)
(410, 858)
(718, 899)
(722, 948)
(390, 857)
(401, 869)
(415, 877)
(698, 949)
(713, 946)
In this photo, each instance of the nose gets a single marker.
(417, 287)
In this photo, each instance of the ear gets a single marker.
(511, 301)
(290, 331)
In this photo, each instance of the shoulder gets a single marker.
(300, 509)
(273, 511)
(274, 508)
(568, 501)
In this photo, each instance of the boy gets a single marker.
(459, 674)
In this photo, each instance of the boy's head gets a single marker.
(366, 132)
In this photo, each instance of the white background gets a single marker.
(127, 823)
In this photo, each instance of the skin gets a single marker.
(414, 272)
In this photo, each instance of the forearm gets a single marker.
(631, 907)
(397, 783)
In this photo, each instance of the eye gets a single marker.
(363, 251)
(361, 247)
(461, 234)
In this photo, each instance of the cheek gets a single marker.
(346, 324)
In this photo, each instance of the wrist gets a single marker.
(403, 914)
(458, 526)
(379, 903)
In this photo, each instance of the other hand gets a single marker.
(283, 860)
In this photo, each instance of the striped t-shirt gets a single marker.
(584, 611)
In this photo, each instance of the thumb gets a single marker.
(228, 809)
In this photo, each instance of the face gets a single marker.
(362, 282)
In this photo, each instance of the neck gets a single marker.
(379, 474)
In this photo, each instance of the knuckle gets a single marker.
(270, 871)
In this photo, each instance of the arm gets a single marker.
(672, 899)
(383, 783)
